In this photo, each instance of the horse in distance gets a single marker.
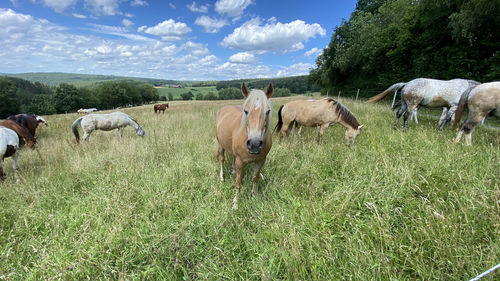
(313, 113)
(481, 101)
(106, 122)
(160, 107)
(22, 133)
(244, 132)
(29, 121)
(430, 93)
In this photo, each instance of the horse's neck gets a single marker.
(132, 123)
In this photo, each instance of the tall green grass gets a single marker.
(395, 206)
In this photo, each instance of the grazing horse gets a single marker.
(160, 107)
(322, 113)
(430, 93)
(106, 122)
(29, 121)
(481, 100)
(9, 146)
(244, 132)
(22, 132)
(88, 110)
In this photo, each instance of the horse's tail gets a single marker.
(74, 127)
(461, 107)
(382, 95)
(280, 121)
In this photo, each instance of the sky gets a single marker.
(168, 39)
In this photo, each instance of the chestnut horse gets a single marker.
(313, 113)
(160, 107)
(29, 121)
(430, 93)
(22, 133)
(106, 122)
(481, 100)
(9, 146)
(244, 132)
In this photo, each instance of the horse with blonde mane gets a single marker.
(244, 132)
(106, 122)
(429, 93)
(313, 113)
(481, 101)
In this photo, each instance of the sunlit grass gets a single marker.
(395, 206)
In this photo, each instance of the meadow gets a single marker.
(394, 206)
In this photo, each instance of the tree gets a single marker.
(170, 97)
(210, 96)
(67, 98)
(230, 93)
(41, 105)
(187, 96)
(199, 96)
(9, 104)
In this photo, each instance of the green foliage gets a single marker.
(296, 84)
(385, 42)
(170, 97)
(42, 105)
(9, 103)
(187, 96)
(211, 96)
(231, 93)
(199, 96)
(67, 98)
(281, 92)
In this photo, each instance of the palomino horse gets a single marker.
(313, 113)
(29, 121)
(86, 110)
(430, 93)
(160, 107)
(106, 122)
(481, 100)
(22, 133)
(245, 133)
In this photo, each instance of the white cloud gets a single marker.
(135, 3)
(118, 31)
(198, 9)
(80, 16)
(283, 37)
(171, 5)
(314, 52)
(103, 7)
(127, 23)
(169, 30)
(59, 5)
(210, 25)
(295, 69)
(232, 8)
(242, 57)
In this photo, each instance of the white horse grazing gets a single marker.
(9, 146)
(430, 93)
(481, 101)
(106, 122)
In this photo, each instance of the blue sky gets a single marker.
(180, 40)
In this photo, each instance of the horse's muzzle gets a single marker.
(255, 145)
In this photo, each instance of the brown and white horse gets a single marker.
(245, 133)
(9, 145)
(106, 122)
(481, 100)
(430, 93)
(313, 113)
(29, 121)
(160, 107)
(22, 133)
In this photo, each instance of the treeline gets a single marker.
(231, 93)
(390, 41)
(296, 84)
(18, 95)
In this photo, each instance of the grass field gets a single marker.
(176, 92)
(395, 206)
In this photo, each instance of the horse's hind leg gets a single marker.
(2, 173)
(405, 126)
(285, 129)
(15, 166)
(256, 175)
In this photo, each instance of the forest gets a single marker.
(390, 41)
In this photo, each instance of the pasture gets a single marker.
(176, 92)
(394, 206)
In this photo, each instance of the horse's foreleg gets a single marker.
(220, 157)
(400, 112)
(120, 132)
(322, 129)
(237, 185)
(2, 173)
(447, 116)
(256, 174)
(86, 135)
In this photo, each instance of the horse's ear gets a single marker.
(244, 89)
(269, 90)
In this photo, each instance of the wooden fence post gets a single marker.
(357, 95)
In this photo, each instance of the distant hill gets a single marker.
(81, 80)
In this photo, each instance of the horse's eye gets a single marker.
(268, 111)
(246, 112)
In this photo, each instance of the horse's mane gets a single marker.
(344, 113)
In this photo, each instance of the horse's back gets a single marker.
(9, 136)
(307, 112)
(485, 96)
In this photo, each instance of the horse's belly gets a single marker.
(435, 102)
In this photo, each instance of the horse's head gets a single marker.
(351, 134)
(140, 131)
(31, 142)
(40, 119)
(256, 116)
